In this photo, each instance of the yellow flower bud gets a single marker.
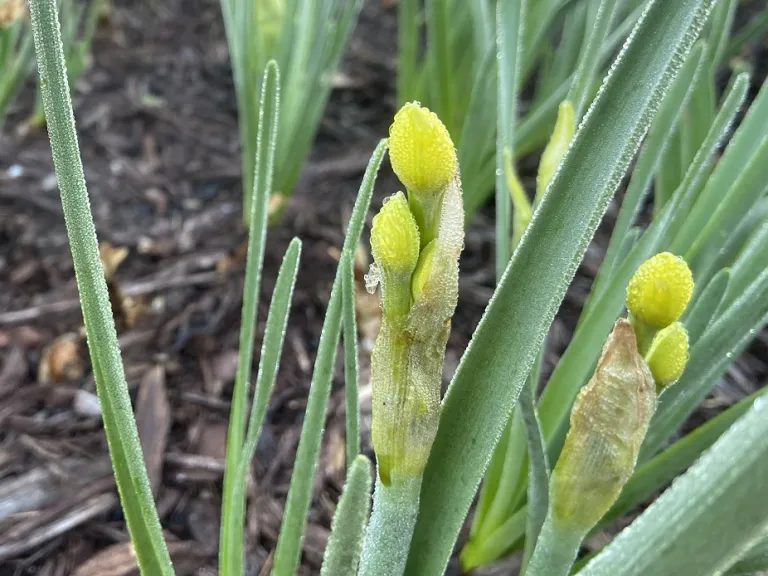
(395, 237)
(421, 150)
(565, 127)
(423, 268)
(660, 290)
(609, 421)
(668, 355)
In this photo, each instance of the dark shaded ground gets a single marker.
(158, 131)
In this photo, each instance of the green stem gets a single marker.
(556, 550)
(119, 424)
(388, 537)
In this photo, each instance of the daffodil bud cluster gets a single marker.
(657, 296)
(609, 420)
(610, 417)
(415, 242)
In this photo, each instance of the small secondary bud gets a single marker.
(421, 150)
(660, 290)
(423, 269)
(609, 421)
(668, 355)
(10, 12)
(565, 127)
(395, 237)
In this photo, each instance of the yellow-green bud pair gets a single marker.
(415, 242)
(611, 414)
(657, 296)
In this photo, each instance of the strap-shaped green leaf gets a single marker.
(269, 363)
(741, 152)
(509, 22)
(342, 554)
(494, 368)
(231, 554)
(299, 494)
(708, 518)
(705, 306)
(661, 131)
(350, 359)
(119, 424)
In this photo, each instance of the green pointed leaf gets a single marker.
(289, 543)
(342, 554)
(704, 307)
(350, 359)
(494, 368)
(231, 554)
(119, 425)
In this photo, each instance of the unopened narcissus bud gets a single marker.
(668, 355)
(660, 290)
(565, 127)
(395, 249)
(609, 421)
(395, 237)
(421, 150)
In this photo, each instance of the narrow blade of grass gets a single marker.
(538, 471)
(231, 558)
(289, 543)
(597, 32)
(739, 153)
(271, 351)
(438, 37)
(342, 554)
(119, 424)
(350, 359)
(753, 259)
(509, 21)
(725, 488)
(705, 306)
(497, 362)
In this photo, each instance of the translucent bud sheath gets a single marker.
(407, 360)
(609, 421)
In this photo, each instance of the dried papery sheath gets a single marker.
(668, 355)
(609, 421)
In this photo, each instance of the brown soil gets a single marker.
(158, 132)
